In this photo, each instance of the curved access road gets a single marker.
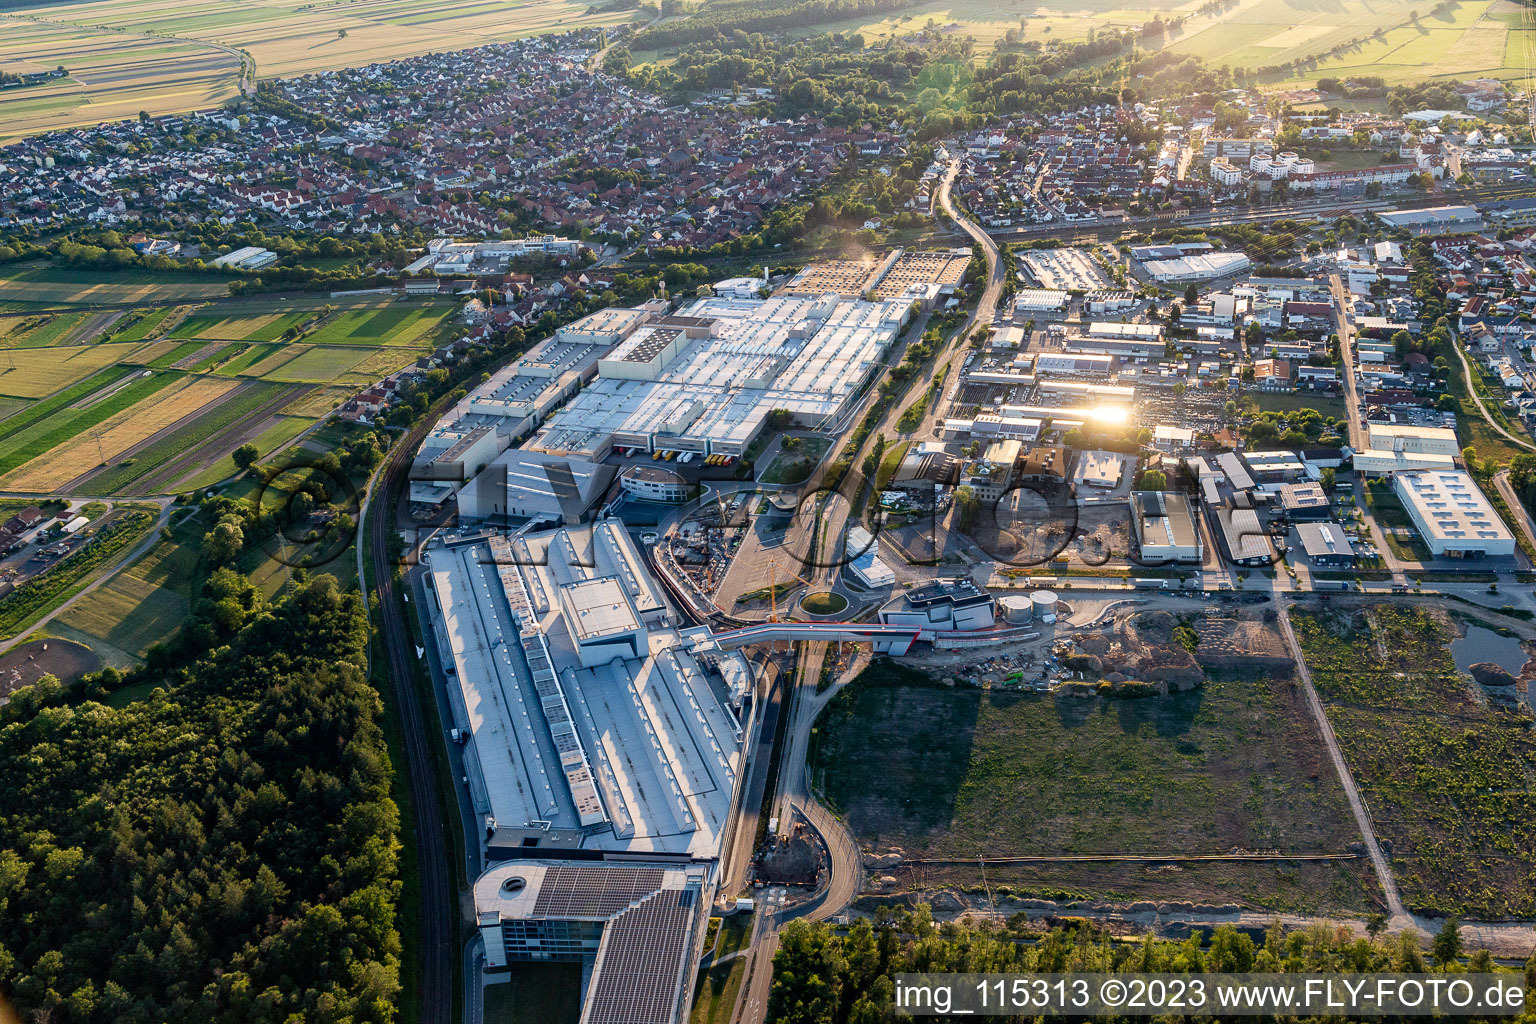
(1466, 369)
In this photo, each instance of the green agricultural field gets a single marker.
(175, 354)
(393, 326)
(46, 284)
(46, 330)
(958, 773)
(126, 63)
(143, 604)
(144, 324)
(160, 456)
(275, 327)
(53, 422)
(278, 435)
(237, 365)
(127, 613)
(317, 365)
(1446, 772)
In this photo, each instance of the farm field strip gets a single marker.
(193, 359)
(269, 435)
(65, 287)
(277, 357)
(51, 330)
(36, 372)
(115, 435)
(145, 325)
(11, 406)
(216, 327)
(193, 442)
(175, 353)
(76, 393)
(318, 402)
(318, 365)
(393, 326)
(237, 364)
(381, 363)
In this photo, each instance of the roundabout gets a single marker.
(823, 603)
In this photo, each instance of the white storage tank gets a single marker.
(1045, 605)
(1018, 609)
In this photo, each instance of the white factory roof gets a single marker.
(597, 608)
(1451, 508)
(807, 355)
(646, 744)
(1040, 298)
(1388, 432)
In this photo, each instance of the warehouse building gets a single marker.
(1434, 220)
(1165, 527)
(605, 753)
(1404, 437)
(1453, 517)
(1196, 268)
(1327, 545)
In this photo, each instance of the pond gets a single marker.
(1483, 644)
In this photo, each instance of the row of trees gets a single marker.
(822, 977)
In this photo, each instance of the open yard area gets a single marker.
(947, 772)
(1446, 771)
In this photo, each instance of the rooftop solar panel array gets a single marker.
(591, 891)
(639, 964)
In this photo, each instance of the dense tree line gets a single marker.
(821, 977)
(222, 850)
(754, 16)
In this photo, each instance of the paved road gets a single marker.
(1517, 508)
(1396, 912)
(1466, 369)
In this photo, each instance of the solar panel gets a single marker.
(641, 961)
(573, 891)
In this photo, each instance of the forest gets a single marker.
(822, 977)
(223, 849)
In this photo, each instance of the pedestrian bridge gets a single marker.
(886, 639)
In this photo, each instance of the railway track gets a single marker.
(435, 957)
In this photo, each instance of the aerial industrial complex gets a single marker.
(703, 380)
(603, 752)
